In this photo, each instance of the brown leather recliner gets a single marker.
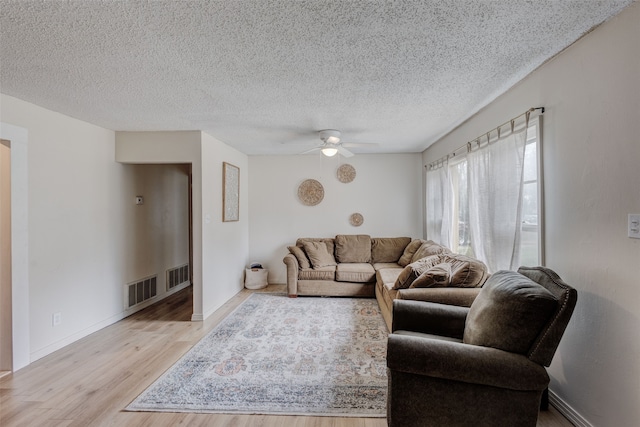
(478, 366)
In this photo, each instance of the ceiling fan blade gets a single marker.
(311, 151)
(343, 151)
(360, 144)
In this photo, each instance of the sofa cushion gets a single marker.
(301, 256)
(388, 249)
(353, 248)
(360, 272)
(429, 248)
(381, 265)
(320, 273)
(412, 271)
(437, 276)
(408, 252)
(326, 240)
(466, 272)
(509, 313)
(387, 277)
(318, 254)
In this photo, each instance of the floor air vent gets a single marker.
(141, 291)
(177, 276)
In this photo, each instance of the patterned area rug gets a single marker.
(278, 355)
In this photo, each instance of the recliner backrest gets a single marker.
(547, 342)
(509, 313)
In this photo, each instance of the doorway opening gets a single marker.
(6, 313)
(162, 236)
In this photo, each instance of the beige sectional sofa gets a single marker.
(385, 267)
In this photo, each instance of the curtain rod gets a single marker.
(443, 159)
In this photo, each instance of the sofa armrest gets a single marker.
(464, 363)
(429, 318)
(292, 274)
(463, 297)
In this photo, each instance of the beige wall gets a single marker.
(591, 150)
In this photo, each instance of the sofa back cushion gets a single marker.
(388, 249)
(509, 313)
(318, 254)
(429, 248)
(353, 248)
(301, 256)
(408, 252)
(328, 241)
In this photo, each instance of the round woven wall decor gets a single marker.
(346, 173)
(310, 192)
(356, 219)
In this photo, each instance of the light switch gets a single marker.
(634, 226)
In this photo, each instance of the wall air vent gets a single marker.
(177, 276)
(142, 290)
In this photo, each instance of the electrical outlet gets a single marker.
(633, 228)
(57, 319)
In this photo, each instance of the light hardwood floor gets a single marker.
(89, 382)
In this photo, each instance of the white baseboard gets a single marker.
(567, 411)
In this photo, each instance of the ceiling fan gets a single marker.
(331, 144)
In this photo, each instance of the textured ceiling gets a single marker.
(263, 76)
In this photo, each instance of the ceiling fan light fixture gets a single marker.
(329, 152)
(333, 140)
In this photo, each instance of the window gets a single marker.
(461, 239)
(531, 236)
(526, 236)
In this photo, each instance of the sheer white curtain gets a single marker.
(439, 199)
(495, 198)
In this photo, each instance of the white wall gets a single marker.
(81, 243)
(387, 191)
(225, 245)
(591, 130)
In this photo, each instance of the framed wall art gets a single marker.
(230, 192)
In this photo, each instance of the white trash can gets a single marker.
(255, 278)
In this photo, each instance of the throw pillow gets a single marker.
(412, 271)
(466, 272)
(298, 252)
(509, 313)
(437, 276)
(429, 248)
(411, 249)
(388, 249)
(319, 254)
(353, 248)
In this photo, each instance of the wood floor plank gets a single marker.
(90, 382)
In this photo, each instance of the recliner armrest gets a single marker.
(429, 318)
(464, 363)
(462, 297)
